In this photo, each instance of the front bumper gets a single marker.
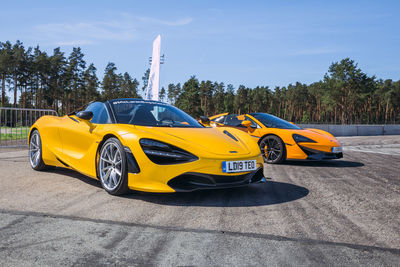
(313, 154)
(192, 181)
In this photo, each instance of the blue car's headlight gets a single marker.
(162, 153)
(299, 138)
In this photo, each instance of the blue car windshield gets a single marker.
(271, 121)
(151, 113)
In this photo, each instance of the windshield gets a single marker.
(149, 113)
(271, 121)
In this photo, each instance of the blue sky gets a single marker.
(253, 43)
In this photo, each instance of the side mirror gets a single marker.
(246, 123)
(204, 120)
(291, 122)
(85, 115)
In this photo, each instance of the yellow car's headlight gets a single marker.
(164, 154)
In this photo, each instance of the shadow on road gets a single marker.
(325, 163)
(74, 174)
(268, 193)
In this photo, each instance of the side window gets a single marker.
(233, 120)
(219, 119)
(253, 123)
(100, 113)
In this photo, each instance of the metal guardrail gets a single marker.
(16, 122)
(356, 129)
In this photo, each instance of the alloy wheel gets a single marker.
(110, 166)
(34, 149)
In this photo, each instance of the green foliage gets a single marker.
(189, 99)
(64, 83)
(161, 95)
(345, 95)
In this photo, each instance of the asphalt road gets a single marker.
(343, 212)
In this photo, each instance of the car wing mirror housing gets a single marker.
(204, 120)
(85, 115)
(246, 123)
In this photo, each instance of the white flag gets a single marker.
(154, 77)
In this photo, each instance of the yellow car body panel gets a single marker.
(324, 141)
(71, 142)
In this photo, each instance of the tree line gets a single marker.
(345, 95)
(56, 81)
(64, 83)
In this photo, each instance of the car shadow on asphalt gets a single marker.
(74, 174)
(262, 194)
(269, 193)
(324, 163)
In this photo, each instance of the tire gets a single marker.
(112, 167)
(35, 151)
(273, 149)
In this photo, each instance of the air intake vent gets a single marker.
(230, 135)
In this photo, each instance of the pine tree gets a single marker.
(110, 82)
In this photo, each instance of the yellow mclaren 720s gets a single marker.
(147, 146)
(279, 139)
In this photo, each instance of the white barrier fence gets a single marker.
(16, 122)
(356, 129)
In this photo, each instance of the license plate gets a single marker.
(239, 166)
(337, 149)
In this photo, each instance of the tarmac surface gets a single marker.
(337, 213)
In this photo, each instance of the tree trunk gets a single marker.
(387, 110)
(3, 90)
(15, 90)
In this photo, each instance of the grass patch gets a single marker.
(14, 134)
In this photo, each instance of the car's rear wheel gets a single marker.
(35, 151)
(112, 167)
(273, 149)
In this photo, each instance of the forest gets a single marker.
(31, 78)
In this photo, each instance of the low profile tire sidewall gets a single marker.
(40, 165)
(123, 183)
(281, 157)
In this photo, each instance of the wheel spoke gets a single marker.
(108, 154)
(107, 175)
(114, 178)
(115, 156)
(106, 168)
(117, 172)
(106, 160)
(34, 145)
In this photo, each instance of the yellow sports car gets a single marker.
(147, 146)
(279, 139)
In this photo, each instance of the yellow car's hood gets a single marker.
(211, 140)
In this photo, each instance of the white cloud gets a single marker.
(90, 32)
(74, 43)
(85, 32)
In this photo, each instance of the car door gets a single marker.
(77, 137)
(255, 129)
(80, 139)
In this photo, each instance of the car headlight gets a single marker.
(164, 154)
(337, 149)
(299, 138)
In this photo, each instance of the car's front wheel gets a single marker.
(112, 167)
(35, 151)
(273, 149)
